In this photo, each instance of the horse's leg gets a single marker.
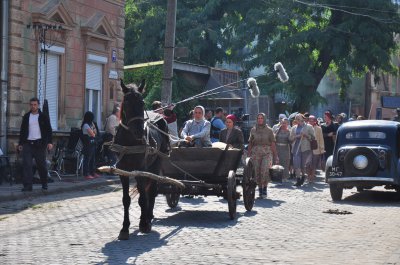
(126, 200)
(143, 203)
(152, 193)
(146, 203)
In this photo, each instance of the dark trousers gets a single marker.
(89, 159)
(111, 156)
(36, 150)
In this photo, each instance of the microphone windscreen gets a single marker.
(282, 75)
(252, 84)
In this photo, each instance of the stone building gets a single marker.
(69, 52)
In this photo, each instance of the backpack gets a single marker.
(214, 131)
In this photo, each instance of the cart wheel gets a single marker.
(172, 199)
(231, 194)
(248, 185)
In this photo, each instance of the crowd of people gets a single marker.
(299, 145)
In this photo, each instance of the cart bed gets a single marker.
(209, 164)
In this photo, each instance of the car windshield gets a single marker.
(365, 135)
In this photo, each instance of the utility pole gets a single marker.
(169, 46)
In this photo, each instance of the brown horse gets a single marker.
(134, 134)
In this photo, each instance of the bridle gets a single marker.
(142, 148)
(126, 126)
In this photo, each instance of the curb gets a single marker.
(17, 195)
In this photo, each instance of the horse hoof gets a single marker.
(123, 235)
(145, 228)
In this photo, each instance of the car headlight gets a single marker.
(360, 162)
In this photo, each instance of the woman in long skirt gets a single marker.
(262, 150)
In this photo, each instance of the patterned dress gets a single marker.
(283, 150)
(261, 138)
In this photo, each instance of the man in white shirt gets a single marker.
(34, 139)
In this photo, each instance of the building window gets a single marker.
(94, 86)
(48, 82)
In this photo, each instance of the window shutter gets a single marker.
(93, 76)
(49, 86)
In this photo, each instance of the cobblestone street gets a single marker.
(290, 227)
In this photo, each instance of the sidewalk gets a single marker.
(67, 183)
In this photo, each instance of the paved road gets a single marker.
(290, 227)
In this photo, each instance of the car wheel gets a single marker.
(369, 162)
(336, 192)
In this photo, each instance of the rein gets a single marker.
(130, 120)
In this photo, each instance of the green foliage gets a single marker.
(153, 77)
(348, 38)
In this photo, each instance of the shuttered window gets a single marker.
(94, 86)
(48, 85)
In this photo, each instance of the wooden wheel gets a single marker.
(231, 194)
(249, 185)
(172, 199)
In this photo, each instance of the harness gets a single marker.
(145, 148)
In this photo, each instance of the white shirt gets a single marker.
(111, 123)
(34, 129)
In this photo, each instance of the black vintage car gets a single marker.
(366, 154)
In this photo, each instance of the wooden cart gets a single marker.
(208, 171)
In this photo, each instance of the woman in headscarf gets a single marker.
(262, 150)
(301, 135)
(197, 131)
(283, 146)
(317, 153)
(232, 135)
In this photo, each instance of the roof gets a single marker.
(369, 124)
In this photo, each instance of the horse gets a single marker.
(135, 134)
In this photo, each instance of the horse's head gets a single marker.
(132, 109)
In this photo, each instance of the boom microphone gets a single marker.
(282, 75)
(252, 84)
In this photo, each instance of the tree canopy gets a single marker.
(310, 38)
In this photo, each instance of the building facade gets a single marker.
(69, 52)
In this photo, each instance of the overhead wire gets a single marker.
(377, 19)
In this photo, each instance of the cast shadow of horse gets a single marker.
(127, 251)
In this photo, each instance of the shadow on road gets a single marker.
(199, 218)
(372, 198)
(127, 251)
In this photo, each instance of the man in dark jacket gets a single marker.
(34, 138)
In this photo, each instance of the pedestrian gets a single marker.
(170, 117)
(232, 135)
(276, 126)
(112, 122)
(317, 153)
(110, 128)
(89, 132)
(301, 135)
(283, 146)
(262, 150)
(217, 124)
(329, 132)
(35, 138)
(209, 115)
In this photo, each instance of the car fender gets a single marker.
(329, 161)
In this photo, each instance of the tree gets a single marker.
(310, 38)
(348, 38)
(198, 28)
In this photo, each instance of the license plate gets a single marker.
(335, 172)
